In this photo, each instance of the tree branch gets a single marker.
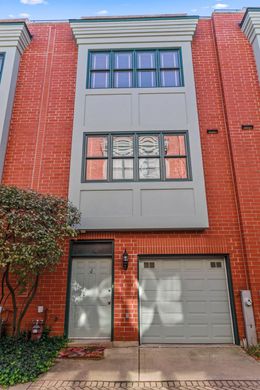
(3, 286)
(24, 310)
(12, 292)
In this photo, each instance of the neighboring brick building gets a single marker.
(151, 126)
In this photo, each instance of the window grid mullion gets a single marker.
(111, 67)
(136, 157)
(134, 70)
(162, 162)
(136, 161)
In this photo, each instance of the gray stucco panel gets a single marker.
(142, 205)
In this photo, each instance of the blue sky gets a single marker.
(65, 9)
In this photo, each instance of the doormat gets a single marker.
(95, 352)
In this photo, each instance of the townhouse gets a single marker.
(150, 126)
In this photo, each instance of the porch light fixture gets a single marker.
(125, 260)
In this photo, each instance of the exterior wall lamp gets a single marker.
(125, 260)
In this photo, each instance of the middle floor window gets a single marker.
(136, 157)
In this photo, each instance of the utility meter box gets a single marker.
(248, 313)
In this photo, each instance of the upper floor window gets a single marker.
(2, 56)
(136, 157)
(135, 69)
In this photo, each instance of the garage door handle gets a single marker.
(108, 303)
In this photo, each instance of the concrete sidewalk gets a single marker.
(156, 364)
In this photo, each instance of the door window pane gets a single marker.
(145, 60)
(146, 79)
(96, 170)
(123, 60)
(176, 168)
(170, 78)
(97, 147)
(99, 79)
(123, 79)
(123, 169)
(100, 61)
(169, 59)
(149, 145)
(174, 145)
(122, 146)
(149, 168)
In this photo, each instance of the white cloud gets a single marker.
(24, 15)
(33, 2)
(102, 12)
(11, 16)
(194, 10)
(220, 6)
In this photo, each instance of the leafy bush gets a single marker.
(254, 351)
(23, 361)
(33, 230)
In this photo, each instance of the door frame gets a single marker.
(230, 291)
(69, 274)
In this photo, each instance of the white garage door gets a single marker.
(184, 301)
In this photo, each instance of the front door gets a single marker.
(90, 298)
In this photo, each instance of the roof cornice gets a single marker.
(133, 29)
(15, 34)
(250, 23)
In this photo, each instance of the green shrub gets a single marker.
(254, 351)
(23, 361)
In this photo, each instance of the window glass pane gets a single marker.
(149, 168)
(96, 170)
(100, 61)
(169, 59)
(146, 79)
(99, 79)
(170, 78)
(123, 60)
(176, 168)
(1, 62)
(149, 145)
(145, 60)
(174, 145)
(122, 146)
(96, 147)
(123, 79)
(123, 169)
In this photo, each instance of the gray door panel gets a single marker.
(90, 298)
(184, 301)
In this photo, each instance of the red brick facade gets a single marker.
(227, 88)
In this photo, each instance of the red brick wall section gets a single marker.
(242, 102)
(38, 154)
(38, 157)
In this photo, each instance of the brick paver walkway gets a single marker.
(165, 385)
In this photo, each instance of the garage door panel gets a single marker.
(216, 285)
(221, 331)
(194, 284)
(157, 319)
(161, 285)
(184, 301)
(161, 296)
(197, 307)
(219, 307)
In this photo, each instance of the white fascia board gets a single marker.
(14, 35)
(125, 31)
(251, 24)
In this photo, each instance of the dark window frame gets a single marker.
(136, 157)
(2, 56)
(135, 69)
